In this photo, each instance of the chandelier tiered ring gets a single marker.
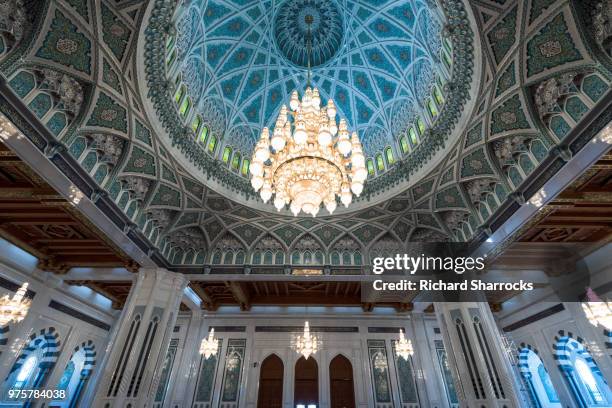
(309, 159)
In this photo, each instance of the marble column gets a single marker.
(139, 342)
(482, 371)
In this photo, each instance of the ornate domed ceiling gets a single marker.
(376, 59)
(387, 65)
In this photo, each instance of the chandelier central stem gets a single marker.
(309, 19)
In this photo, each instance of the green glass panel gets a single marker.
(404, 144)
(413, 137)
(171, 59)
(245, 167)
(212, 144)
(185, 107)
(179, 94)
(370, 165)
(380, 164)
(196, 123)
(227, 152)
(236, 161)
(389, 155)
(432, 108)
(203, 133)
(438, 96)
(420, 125)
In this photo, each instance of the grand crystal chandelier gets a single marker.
(306, 344)
(403, 347)
(210, 345)
(597, 311)
(15, 308)
(308, 158)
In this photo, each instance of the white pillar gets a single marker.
(482, 370)
(135, 354)
(187, 374)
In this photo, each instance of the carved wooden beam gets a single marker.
(240, 295)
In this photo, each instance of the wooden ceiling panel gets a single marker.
(36, 218)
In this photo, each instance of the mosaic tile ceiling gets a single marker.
(374, 58)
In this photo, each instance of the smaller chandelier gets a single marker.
(403, 347)
(597, 311)
(210, 345)
(16, 308)
(306, 344)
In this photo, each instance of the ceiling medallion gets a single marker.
(15, 308)
(306, 344)
(403, 347)
(306, 162)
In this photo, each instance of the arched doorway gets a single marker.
(306, 390)
(341, 388)
(271, 383)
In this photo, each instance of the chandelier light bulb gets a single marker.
(344, 144)
(333, 128)
(316, 98)
(278, 141)
(262, 152)
(279, 203)
(331, 205)
(331, 109)
(294, 104)
(357, 188)
(346, 197)
(257, 182)
(266, 192)
(256, 168)
(358, 159)
(306, 344)
(360, 174)
(325, 138)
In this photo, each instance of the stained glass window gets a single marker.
(389, 156)
(227, 153)
(370, 165)
(380, 164)
(404, 144)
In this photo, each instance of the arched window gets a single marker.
(245, 167)
(346, 258)
(24, 375)
(34, 364)
(335, 258)
(318, 257)
(280, 258)
(239, 258)
(420, 125)
(185, 107)
(257, 258)
(413, 137)
(538, 381)
(370, 165)
(404, 144)
(236, 161)
(203, 134)
(227, 153)
(431, 107)
(268, 258)
(228, 258)
(389, 156)
(75, 375)
(584, 377)
(216, 259)
(380, 164)
(195, 125)
(212, 144)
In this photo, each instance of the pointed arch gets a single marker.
(271, 374)
(306, 377)
(341, 382)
